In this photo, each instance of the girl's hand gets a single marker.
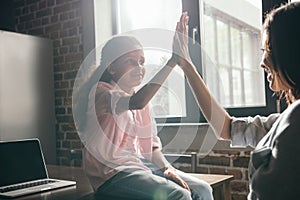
(170, 173)
(180, 53)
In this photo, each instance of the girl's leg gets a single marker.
(200, 189)
(141, 185)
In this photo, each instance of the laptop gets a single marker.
(23, 170)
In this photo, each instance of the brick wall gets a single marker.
(229, 162)
(60, 21)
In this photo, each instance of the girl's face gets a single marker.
(128, 70)
(276, 82)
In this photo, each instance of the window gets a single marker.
(132, 15)
(231, 41)
(228, 61)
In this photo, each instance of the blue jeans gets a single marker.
(137, 184)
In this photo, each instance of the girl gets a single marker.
(274, 167)
(122, 154)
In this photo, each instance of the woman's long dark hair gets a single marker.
(283, 31)
(111, 51)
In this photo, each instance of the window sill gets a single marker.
(192, 137)
(181, 124)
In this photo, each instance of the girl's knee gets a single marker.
(203, 192)
(180, 194)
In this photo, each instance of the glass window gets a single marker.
(231, 40)
(229, 58)
(139, 14)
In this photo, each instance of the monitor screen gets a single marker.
(21, 161)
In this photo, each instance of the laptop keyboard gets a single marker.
(26, 185)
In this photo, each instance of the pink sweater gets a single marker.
(115, 142)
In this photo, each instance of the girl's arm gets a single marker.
(142, 97)
(169, 171)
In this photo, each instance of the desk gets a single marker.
(219, 183)
(83, 189)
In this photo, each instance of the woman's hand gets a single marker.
(180, 53)
(170, 173)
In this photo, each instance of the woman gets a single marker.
(274, 169)
(122, 154)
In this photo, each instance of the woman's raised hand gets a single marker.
(181, 54)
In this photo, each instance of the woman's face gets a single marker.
(128, 70)
(276, 82)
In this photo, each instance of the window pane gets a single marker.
(237, 88)
(236, 39)
(224, 86)
(209, 30)
(235, 47)
(138, 14)
(223, 43)
(252, 93)
(169, 101)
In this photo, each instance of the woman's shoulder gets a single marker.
(287, 130)
(293, 111)
(291, 116)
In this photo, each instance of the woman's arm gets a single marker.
(214, 113)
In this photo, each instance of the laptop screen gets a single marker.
(21, 161)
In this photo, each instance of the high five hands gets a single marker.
(181, 54)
